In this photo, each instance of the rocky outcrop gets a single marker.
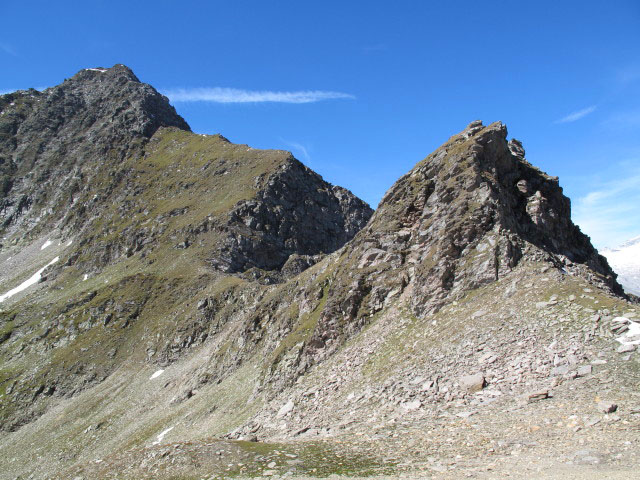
(468, 215)
(464, 217)
(57, 143)
(294, 212)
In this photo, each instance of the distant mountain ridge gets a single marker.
(625, 261)
(629, 243)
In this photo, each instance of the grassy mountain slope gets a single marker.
(147, 247)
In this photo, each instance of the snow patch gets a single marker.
(631, 336)
(101, 70)
(156, 374)
(35, 278)
(69, 243)
(85, 277)
(161, 436)
(46, 244)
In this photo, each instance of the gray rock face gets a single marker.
(295, 212)
(56, 143)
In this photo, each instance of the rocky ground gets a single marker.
(538, 389)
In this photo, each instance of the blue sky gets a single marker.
(361, 91)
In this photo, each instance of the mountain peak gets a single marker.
(235, 272)
(118, 70)
(117, 90)
(470, 214)
(62, 137)
(465, 216)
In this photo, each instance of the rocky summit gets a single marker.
(54, 144)
(173, 305)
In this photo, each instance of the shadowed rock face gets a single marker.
(294, 212)
(54, 143)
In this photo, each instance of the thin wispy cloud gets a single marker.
(575, 116)
(609, 212)
(628, 75)
(623, 120)
(8, 49)
(235, 95)
(298, 149)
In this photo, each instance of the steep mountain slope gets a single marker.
(218, 295)
(625, 260)
(153, 226)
